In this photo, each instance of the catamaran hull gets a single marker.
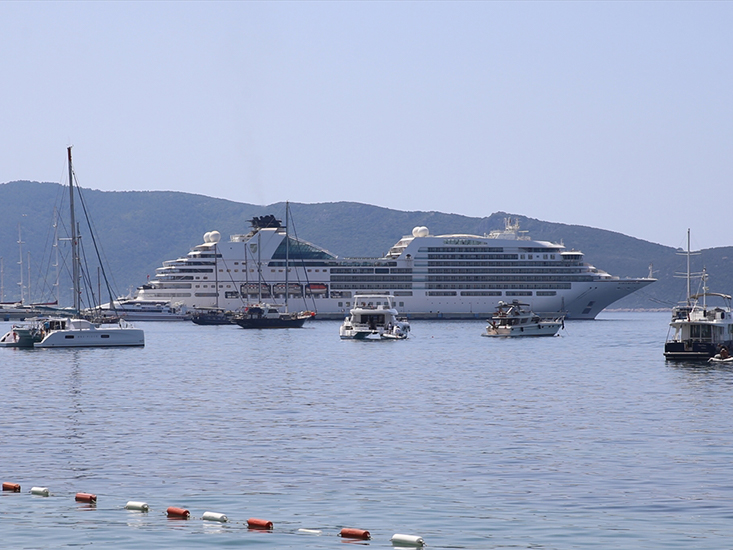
(93, 338)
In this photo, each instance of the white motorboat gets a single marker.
(516, 319)
(374, 317)
(698, 330)
(142, 310)
(17, 337)
(721, 357)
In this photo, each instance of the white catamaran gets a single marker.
(61, 331)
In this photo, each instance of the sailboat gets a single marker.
(72, 331)
(264, 315)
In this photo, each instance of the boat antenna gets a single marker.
(74, 237)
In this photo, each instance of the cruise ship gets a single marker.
(456, 276)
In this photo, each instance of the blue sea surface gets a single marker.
(589, 439)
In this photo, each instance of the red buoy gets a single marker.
(12, 487)
(182, 513)
(254, 523)
(355, 533)
(86, 497)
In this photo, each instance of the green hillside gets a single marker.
(138, 230)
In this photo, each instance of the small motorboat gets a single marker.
(723, 356)
(19, 336)
(516, 319)
(374, 317)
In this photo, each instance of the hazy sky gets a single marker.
(617, 115)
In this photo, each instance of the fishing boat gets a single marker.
(374, 317)
(516, 319)
(698, 330)
(73, 331)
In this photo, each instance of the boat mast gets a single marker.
(56, 251)
(20, 263)
(216, 276)
(74, 237)
(259, 266)
(688, 266)
(287, 252)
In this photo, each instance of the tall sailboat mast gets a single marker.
(287, 252)
(74, 238)
(688, 266)
(20, 263)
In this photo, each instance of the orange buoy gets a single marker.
(12, 487)
(182, 513)
(355, 533)
(86, 497)
(254, 523)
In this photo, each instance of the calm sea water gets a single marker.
(586, 440)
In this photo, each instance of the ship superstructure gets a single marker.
(430, 276)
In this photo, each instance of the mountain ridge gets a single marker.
(141, 229)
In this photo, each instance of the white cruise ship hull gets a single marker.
(453, 276)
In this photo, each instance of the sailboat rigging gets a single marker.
(266, 315)
(74, 330)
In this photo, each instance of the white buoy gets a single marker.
(137, 505)
(310, 531)
(407, 540)
(213, 516)
(41, 491)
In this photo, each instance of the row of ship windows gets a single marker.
(371, 270)
(472, 256)
(504, 286)
(579, 278)
(561, 271)
(231, 295)
(515, 257)
(366, 286)
(361, 278)
(507, 293)
(460, 249)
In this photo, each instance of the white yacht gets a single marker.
(698, 330)
(452, 276)
(142, 310)
(516, 319)
(374, 317)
